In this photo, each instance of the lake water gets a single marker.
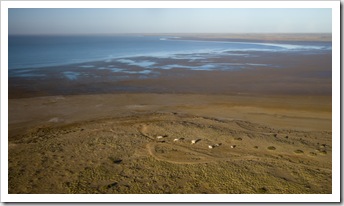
(45, 51)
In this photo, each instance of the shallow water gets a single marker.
(44, 51)
(72, 75)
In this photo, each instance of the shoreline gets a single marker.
(274, 74)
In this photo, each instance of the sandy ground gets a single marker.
(141, 143)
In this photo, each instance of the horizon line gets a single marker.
(164, 33)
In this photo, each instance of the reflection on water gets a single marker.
(71, 75)
(144, 63)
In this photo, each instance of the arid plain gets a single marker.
(247, 131)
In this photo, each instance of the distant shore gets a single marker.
(268, 37)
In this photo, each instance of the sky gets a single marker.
(168, 20)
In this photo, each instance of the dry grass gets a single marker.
(121, 156)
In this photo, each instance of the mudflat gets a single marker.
(262, 123)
